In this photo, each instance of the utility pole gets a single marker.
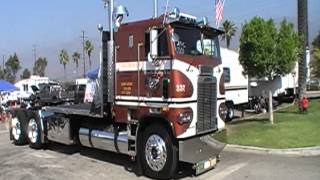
(83, 37)
(34, 51)
(303, 32)
(3, 59)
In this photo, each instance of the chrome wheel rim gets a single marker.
(230, 113)
(16, 128)
(33, 131)
(156, 152)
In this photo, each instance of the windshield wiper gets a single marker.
(195, 53)
(190, 64)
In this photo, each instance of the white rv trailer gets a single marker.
(28, 86)
(236, 84)
(280, 84)
(277, 86)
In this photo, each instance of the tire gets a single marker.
(18, 127)
(230, 113)
(34, 131)
(257, 108)
(10, 116)
(167, 165)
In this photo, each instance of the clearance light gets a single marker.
(176, 15)
(165, 109)
(203, 22)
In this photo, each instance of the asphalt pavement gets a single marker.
(69, 162)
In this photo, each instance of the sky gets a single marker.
(53, 25)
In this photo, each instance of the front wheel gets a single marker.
(158, 154)
(34, 131)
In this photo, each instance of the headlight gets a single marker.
(185, 117)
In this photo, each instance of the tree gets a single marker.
(1, 73)
(266, 52)
(40, 66)
(315, 62)
(76, 58)
(257, 50)
(12, 68)
(315, 59)
(89, 48)
(64, 60)
(229, 29)
(25, 74)
(287, 48)
(316, 41)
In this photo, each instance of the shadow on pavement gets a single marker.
(184, 169)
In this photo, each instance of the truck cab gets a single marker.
(176, 67)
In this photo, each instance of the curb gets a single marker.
(305, 152)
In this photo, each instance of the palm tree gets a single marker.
(40, 66)
(303, 32)
(229, 29)
(89, 48)
(64, 60)
(76, 58)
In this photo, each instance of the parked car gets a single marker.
(79, 93)
(68, 94)
(287, 96)
(48, 94)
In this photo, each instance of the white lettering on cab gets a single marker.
(180, 88)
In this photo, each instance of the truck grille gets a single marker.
(207, 104)
(206, 70)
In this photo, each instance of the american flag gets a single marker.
(219, 11)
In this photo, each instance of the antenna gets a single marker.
(155, 9)
(34, 51)
(165, 13)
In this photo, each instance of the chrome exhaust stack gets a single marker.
(110, 141)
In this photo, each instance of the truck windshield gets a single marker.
(192, 41)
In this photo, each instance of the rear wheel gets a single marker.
(34, 131)
(230, 113)
(18, 128)
(158, 154)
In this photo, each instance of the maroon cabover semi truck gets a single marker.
(159, 97)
